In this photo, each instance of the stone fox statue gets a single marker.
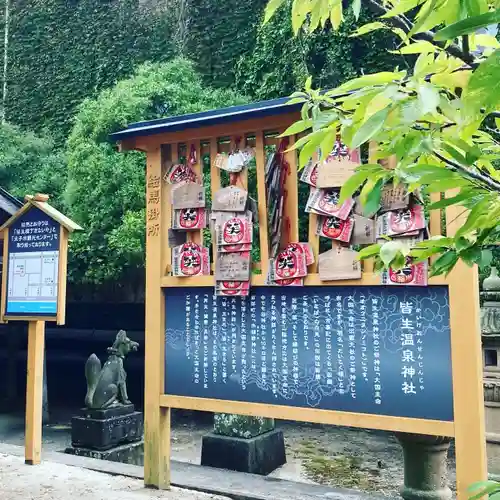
(107, 386)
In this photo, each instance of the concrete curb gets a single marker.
(235, 485)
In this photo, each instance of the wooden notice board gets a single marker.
(349, 352)
(35, 259)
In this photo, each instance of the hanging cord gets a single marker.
(284, 165)
(193, 160)
(234, 177)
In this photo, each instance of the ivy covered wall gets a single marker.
(61, 51)
(219, 33)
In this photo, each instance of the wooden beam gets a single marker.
(5, 267)
(34, 393)
(467, 367)
(278, 122)
(312, 237)
(166, 203)
(156, 422)
(349, 419)
(260, 164)
(291, 209)
(214, 185)
(368, 279)
(62, 275)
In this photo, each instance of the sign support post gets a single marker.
(34, 392)
(34, 290)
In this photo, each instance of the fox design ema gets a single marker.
(106, 386)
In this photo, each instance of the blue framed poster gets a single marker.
(33, 265)
(381, 350)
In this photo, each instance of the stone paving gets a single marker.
(316, 454)
(51, 481)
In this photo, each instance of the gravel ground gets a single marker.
(50, 481)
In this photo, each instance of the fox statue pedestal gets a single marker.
(108, 428)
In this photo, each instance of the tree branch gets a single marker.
(405, 24)
(465, 45)
(473, 174)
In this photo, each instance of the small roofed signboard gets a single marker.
(35, 262)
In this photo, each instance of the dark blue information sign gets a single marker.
(378, 350)
(33, 265)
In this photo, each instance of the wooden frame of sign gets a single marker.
(162, 148)
(35, 260)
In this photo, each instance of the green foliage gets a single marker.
(435, 119)
(61, 52)
(279, 63)
(105, 192)
(28, 164)
(218, 33)
(491, 489)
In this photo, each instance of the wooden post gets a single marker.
(34, 391)
(13, 334)
(156, 420)
(467, 366)
(45, 395)
(260, 162)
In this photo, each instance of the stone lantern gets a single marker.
(490, 333)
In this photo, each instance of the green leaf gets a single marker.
(472, 219)
(399, 261)
(356, 8)
(422, 47)
(470, 8)
(428, 98)
(483, 488)
(372, 199)
(297, 127)
(306, 153)
(370, 128)
(370, 80)
(446, 202)
(316, 137)
(352, 184)
(336, 15)
(308, 84)
(427, 9)
(402, 6)
(438, 176)
(300, 9)
(367, 28)
(271, 8)
(436, 241)
(445, 263)
(327, 143)
(462, 244)
(420, 254)
(389, 251)
(483, 89)
(446, 184)
(454, 153)
(369, 251)
(469, 25)
(471, 255)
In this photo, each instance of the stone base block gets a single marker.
(113, 411)
(103, 434)
(258, 455)
(131, 453)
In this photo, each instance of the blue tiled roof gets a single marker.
(261, 109)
